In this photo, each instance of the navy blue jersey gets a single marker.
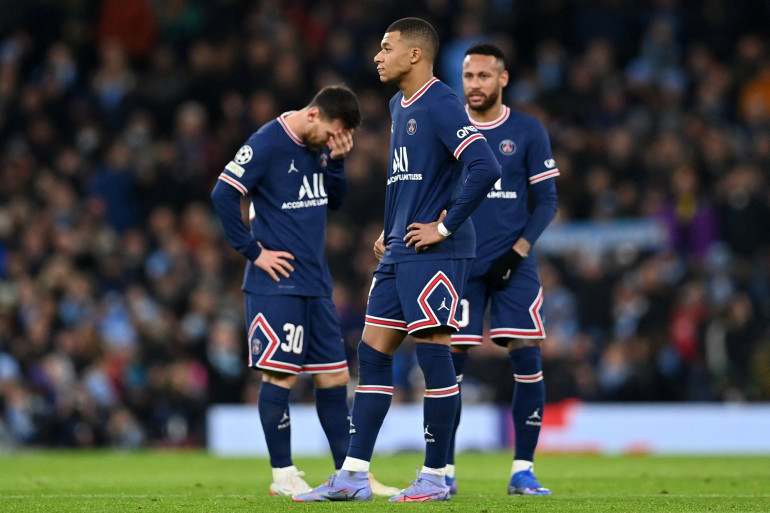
(521, 145)
(429, 133)
(289, 186)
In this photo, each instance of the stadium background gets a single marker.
(120, 309)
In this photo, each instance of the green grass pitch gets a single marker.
(171, 481)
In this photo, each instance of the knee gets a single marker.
(518, 343)
(332, 379)
(279, 379)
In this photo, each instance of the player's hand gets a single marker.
(379, 246)
(340, 143)
(275, 263)
(423, 235)
(502, 269)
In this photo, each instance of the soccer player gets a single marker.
(508, 222)
(429, 243)
(292, 169)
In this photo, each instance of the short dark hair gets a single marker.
(486, 49)
(338, 102)
(419, 31)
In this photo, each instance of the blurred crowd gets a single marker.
(121, 314)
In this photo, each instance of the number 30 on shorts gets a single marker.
(294, 338)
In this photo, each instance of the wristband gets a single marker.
(443, 231)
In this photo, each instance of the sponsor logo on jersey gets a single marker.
(235, 169)
(549, 163)
(401, 167)
(411, 126)
(466, 130)
(244, 155)
(311, 194)
(507, 147)
(497, 191)
(292, 167)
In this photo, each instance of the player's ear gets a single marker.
(415, 54)
(504, 77)
(313, 113)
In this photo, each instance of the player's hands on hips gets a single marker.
(340, 143)
(275, 263)
(422, 235)
(379, 246)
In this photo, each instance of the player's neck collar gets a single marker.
(416, 96)
(486, 125)
(287, 128)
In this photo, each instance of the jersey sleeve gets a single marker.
(335, 180)
(540, 163)
(248, 165)
(239, 176)
(454, 127)
(541, 168)
(468, 144)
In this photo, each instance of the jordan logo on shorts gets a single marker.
(443, 305)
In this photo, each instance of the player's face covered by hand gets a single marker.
(394, 58)
(320, 130)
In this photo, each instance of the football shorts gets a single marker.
(416, 295)
(514, 311)
(294, 334)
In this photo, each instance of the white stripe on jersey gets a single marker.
(235, 183)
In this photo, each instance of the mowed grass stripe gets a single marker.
(166, 481)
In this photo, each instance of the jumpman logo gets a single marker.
(284, 417)
(292, 168)
(427, 433)
(536, 415)
(443, 304)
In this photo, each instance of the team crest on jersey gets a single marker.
(507, 147)
(256, 346)
(411, 126)
(244, 155)
(323, 160)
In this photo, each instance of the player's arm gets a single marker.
(542, 190)
(483, 172)
(335, 181)
(504, 267)
(227, 204)
(239, 176)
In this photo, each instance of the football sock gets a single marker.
(440, 404)
(331, 405)
(372, 401)
(519, 465)
(273, 406)
(528, 400)
(459, 360)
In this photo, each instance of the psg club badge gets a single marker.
(411, 126)
(507, 147)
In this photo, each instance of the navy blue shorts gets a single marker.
(416, 295)
(294, 334)
(514, 310)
